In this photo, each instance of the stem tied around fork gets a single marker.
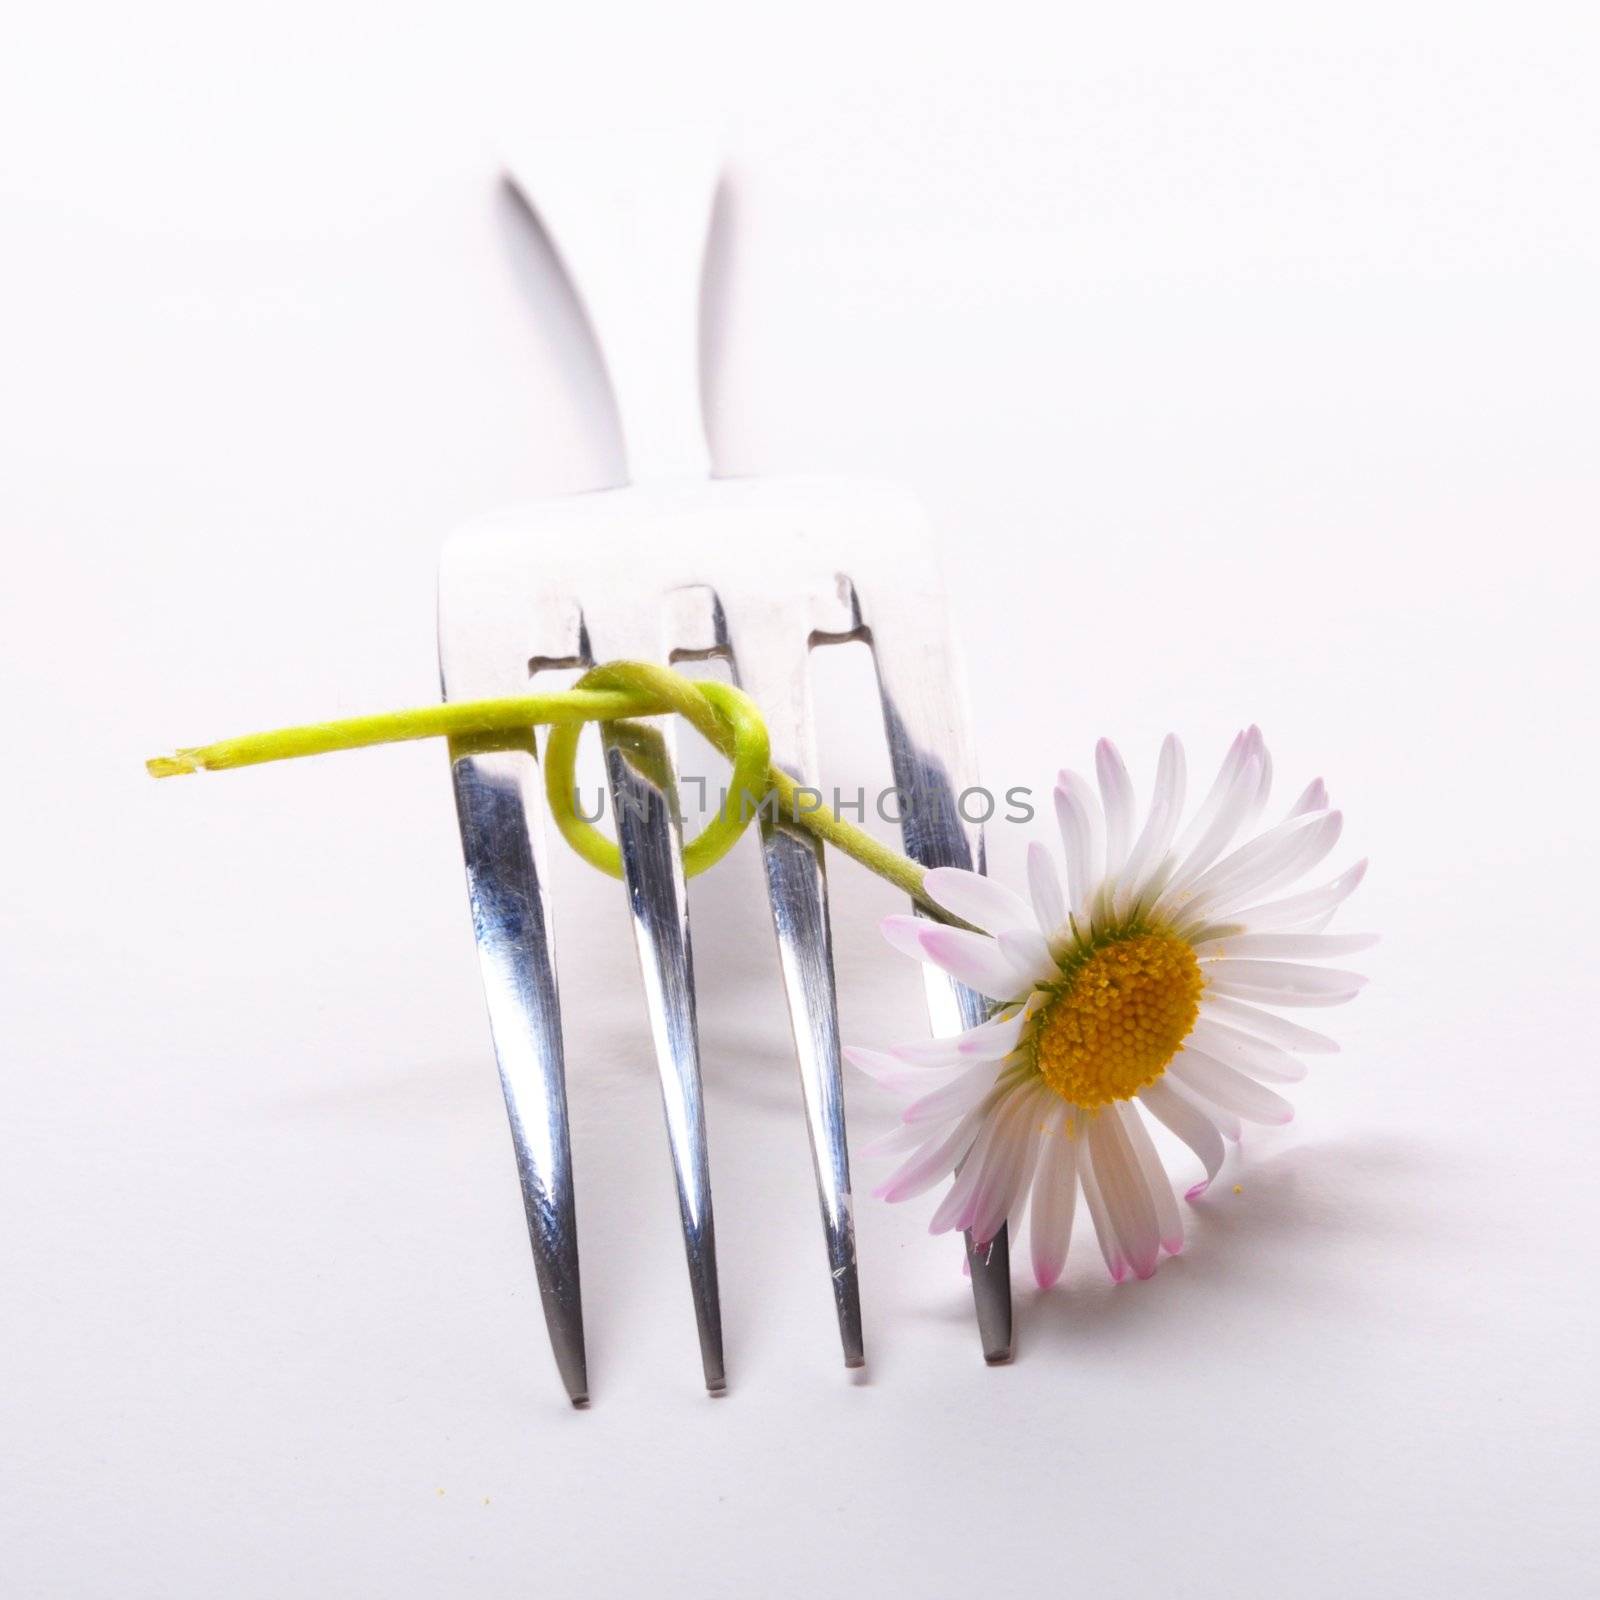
(727, 717)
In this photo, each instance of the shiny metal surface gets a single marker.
(718, 569)
(639, 759)
(930, 754)
(516, 951)
(769, 646)
(650, 833)
(500, 810)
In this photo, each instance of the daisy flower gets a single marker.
(1149, 988)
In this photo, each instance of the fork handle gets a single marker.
(627, 211)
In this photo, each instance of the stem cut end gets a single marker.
(174, 766)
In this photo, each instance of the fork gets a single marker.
(679, 566)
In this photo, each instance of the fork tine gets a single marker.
(497, 803)
(930, 755)
(770, 662)
(650, 835)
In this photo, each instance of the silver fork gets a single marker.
(681, 567)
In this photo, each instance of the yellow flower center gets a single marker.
(1117, 1018)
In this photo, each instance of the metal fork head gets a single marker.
(755, 572)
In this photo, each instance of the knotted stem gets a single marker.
(727, 717)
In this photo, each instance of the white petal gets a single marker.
(1286, 977)
(896, 1142)
(875, 1063)
(894, 1074)
(1116, 795)
(977, 899)
(959, 1195)
(1288, 866)
(1010, 1166)
(1102, 906)
(1229, 1089)
(973, 959)
(1250, 1055)
(1314, 797)
(1045, 887)
(1283, 946)
(1128, 1202)
(1303, 908)
(958, 1202)
(1230, 989)
(1223, 1120)
(1166, 806)
(1217, 821)
(904, 933)
(1053, 1200)
(1279, 855)
(1224, 828)
(1106, 1235)
(929, 1053)
(989, 1041)
(1258, 802)
(1155, 884)
(933, 1161)
(1204, 816)
(1267, 1026)
(1030, 955)
(955, 1098)
(1190, 1124)
(1082, 838)
(1168, 1218)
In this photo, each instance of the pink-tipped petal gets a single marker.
(1105, 1234)
(975, 960)
(897, 1141)
(1258, 801)
(1314, 797)
(904, 932)
(1307, 910)
(1275, 857)
(1128, 1201)
(934, 1161)
(958, 1198)
(979, 900)
(1183, 1118)
(1217, 822)
(893, 1073)
(1010, 1167)
(1233, 1091)
(1169, 1220)
(1265, 1025)
(1053, 1199)
(955, 1097)
(1257, 1058)
(989, 1041)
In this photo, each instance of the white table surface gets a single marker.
(1246, 361)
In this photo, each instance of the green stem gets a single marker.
(727, 718)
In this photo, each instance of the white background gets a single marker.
(1245, 356)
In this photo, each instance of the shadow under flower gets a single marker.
(1301, 1236)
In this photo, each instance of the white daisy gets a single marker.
(1139, 991)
